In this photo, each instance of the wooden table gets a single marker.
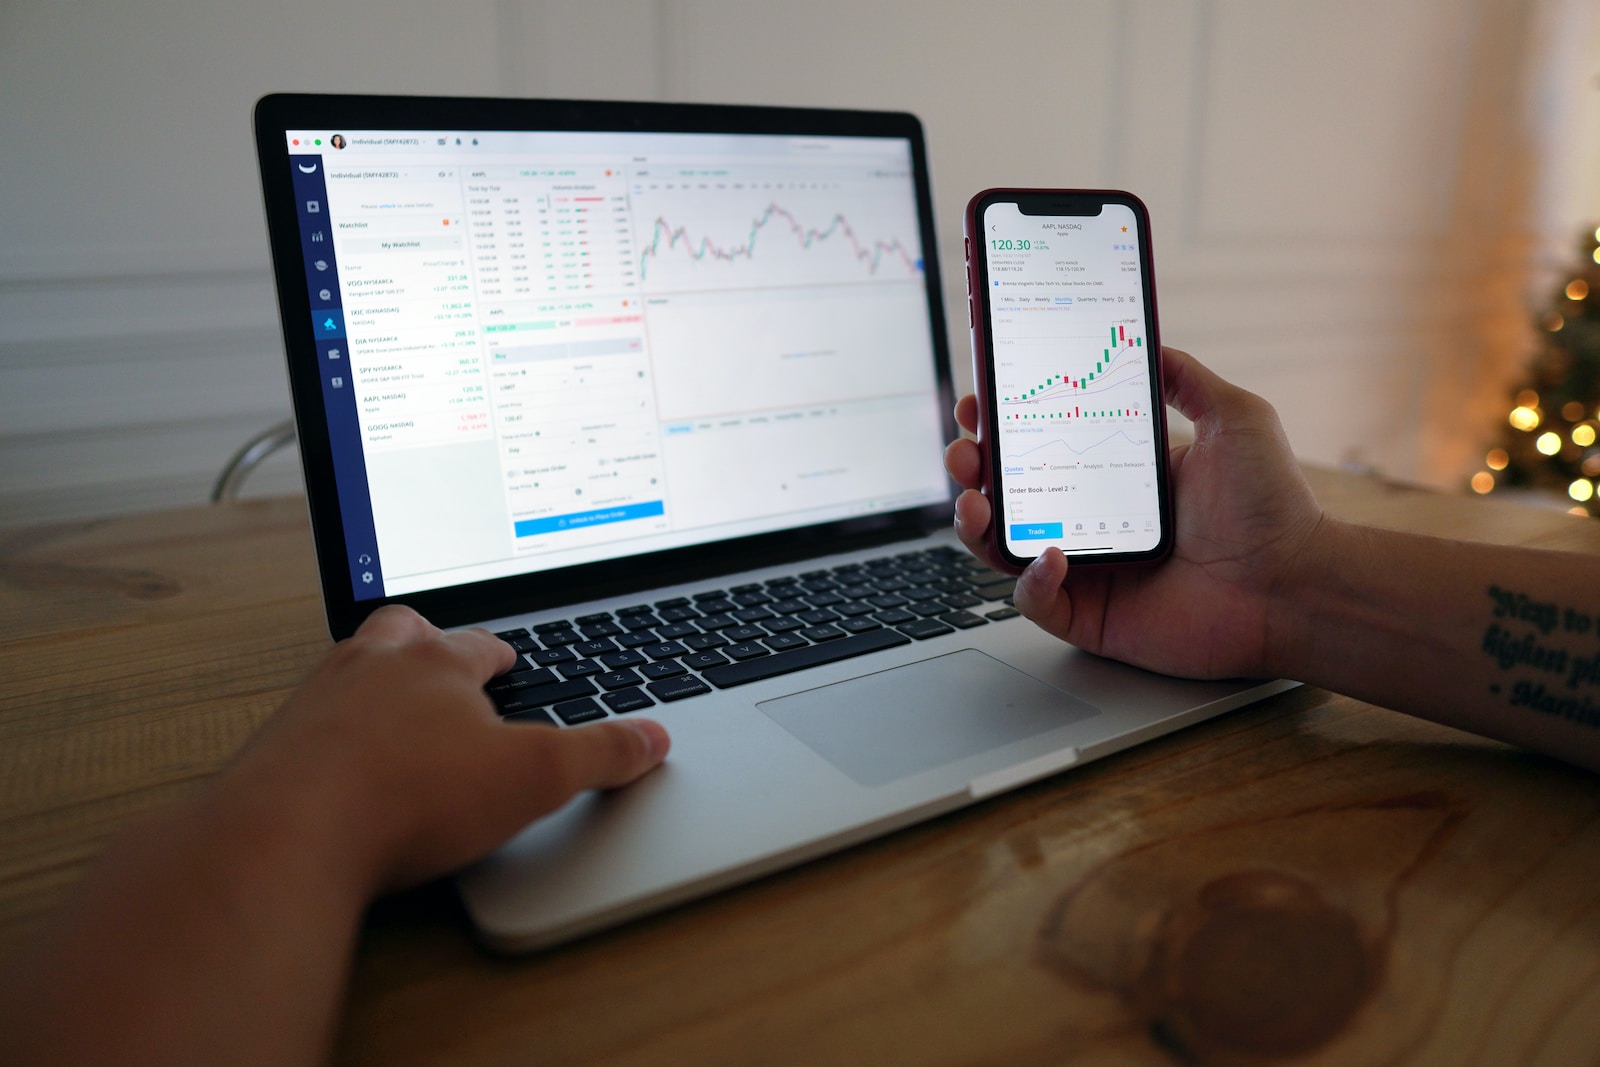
(1310, 877)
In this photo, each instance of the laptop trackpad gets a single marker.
(897, 722)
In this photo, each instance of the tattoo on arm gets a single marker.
(1549, 647)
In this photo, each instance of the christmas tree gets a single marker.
(1552, 436)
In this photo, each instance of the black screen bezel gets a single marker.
(463, 604)
(1069, 203)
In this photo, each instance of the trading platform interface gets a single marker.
(1076, 428)
(556, 348)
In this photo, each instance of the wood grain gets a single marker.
(1310, 879)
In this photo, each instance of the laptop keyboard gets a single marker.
(577, 670)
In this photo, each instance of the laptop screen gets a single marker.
(542, 349)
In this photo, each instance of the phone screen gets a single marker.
(1076, 426)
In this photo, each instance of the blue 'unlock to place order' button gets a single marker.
(1034, 531)
(597, 517)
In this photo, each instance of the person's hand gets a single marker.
(393, 737)
(1243, 513)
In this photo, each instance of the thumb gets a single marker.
(558, 764)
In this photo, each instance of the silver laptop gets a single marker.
(659, 394)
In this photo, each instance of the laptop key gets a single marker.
(558, 638)
(822, 633)
(961, 600)
(590, 620)
(549, 657)
(705, 642)
(555, 692)
(673, 630)
(718, 621)
(617, 679)
(507, 635)
(923, 629)
(579, 668)
(799, 659)
(538, 716)
(582, 710)
(678, 614)
(818, 616)
(505, 683)
(784, 642)
(744, 633)
(594, 648)
(626, 700)
(664, 650)
(858, 626)
(520, 665)
(640, 638)
(701, 660)
(963, 620)
(677, 688)
(618, 660)
(782, 626)
(745, 650)
(524, 643)
(998, 590)
(667, 668)
(552, 626)
(1001, 613)
(894, 617)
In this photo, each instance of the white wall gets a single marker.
(1340, 192)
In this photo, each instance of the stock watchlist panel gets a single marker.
(550, 344)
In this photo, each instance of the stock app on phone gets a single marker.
(1072, 403)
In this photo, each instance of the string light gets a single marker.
(1557, 406)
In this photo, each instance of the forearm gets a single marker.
(1504, 642)
(220, 933)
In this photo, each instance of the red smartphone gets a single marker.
(1067, 365)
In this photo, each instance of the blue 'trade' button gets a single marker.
(1035, 531)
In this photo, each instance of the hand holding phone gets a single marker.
(1067, 366)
